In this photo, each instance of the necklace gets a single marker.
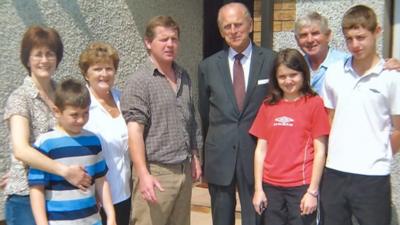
(109, 105)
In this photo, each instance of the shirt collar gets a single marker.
(178, 70)
(31, 89)
(377, 69)
(95, 103)
(246, 52)
(327, 61)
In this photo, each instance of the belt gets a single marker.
(173, 168)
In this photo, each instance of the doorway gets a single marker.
(212, 41)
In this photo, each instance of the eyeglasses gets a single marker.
(50, 56)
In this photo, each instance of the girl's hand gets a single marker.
(111, 222)
(308, 204)
(259, 201)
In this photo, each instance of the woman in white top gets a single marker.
(98, 64)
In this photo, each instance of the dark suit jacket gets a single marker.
(227, 140)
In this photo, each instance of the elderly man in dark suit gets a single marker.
(232, 85)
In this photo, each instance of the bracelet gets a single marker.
(314, 194)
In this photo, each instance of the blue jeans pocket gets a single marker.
(18, 210)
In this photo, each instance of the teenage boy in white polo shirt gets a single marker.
(364, 104)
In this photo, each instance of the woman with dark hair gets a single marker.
(28, 114)
(292, 128)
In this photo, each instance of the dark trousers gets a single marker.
(367, 198)
(283, 207)
(122, 212)
(223, 201)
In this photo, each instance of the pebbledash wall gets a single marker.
(118, 22)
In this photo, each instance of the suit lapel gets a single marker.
(223, 66)
(255, 67)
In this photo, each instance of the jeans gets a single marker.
(18, 210)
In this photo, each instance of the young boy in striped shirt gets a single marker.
(53, 199)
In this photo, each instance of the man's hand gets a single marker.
(392, 64)
(77, 176)
(147, 185)
(196, 168)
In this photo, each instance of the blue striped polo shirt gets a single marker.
(66, 204)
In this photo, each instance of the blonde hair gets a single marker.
(97, 52)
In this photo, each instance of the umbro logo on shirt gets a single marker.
(284, 121)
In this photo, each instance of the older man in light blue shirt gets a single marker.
(313, 35)
(318, 76)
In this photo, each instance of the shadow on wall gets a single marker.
(35, 16)
(28, 6)
(140, 20)
(71, 7)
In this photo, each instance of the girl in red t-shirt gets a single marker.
(292, 127)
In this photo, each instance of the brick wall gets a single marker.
(284, 17)
(257, 22)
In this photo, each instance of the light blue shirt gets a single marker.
(318, 76)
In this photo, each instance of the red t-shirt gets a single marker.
(290, 128)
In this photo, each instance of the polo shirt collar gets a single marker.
(377, 69)
(327, 61)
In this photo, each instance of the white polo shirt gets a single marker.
(359, 141)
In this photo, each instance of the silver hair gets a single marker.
(247, 13)
(312, 18)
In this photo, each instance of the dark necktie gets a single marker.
(238, 81)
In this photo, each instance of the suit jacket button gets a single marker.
(234, 147)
